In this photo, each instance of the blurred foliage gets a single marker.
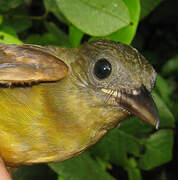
(148, 6)
(135, 146)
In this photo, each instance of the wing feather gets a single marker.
(21, 64)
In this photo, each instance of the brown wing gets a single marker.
(21, 64)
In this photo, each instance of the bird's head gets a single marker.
(119, 76)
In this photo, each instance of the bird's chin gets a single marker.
(137, 102)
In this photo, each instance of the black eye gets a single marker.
(102, 69)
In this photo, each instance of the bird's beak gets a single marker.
(141, 105)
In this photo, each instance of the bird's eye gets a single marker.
(102, 69)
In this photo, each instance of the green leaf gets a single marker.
(136, 127)
(60, 178)
(163, 89)
(44, 39)
(96, 18)
(19, 14)
(133, 172)
(126, 34)
(174, 110)
(75, 36)
(80, 168)
(158, 150)
(1, 19)
(8, 35)
(34, 39)
(61, 36)
(5, 5)
(166, 117)
(24, 24)
(51, 5)
(115, 147)
(147, 6)
(171, 66)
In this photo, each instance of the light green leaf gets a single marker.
(8, 35)
(96, 18)
(80, 168)
(126, 34)
(158, 150)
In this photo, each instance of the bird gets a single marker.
(56, 102)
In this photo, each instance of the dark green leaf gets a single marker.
(5, 5)
(136, 127)
(1, 19)
(24, 24)
(115, 147)
(18, 19)
(75, 36)
(175, 109)
(80, 168)
(51, 5)
(44, 39)
(166, 117)
(61, 178)
(163, 89)
(61, 36)
(171, 66)
(34, 172)
(133, 172)
(34, 39)
(96, 18)
(147, 6)
(158, 150)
